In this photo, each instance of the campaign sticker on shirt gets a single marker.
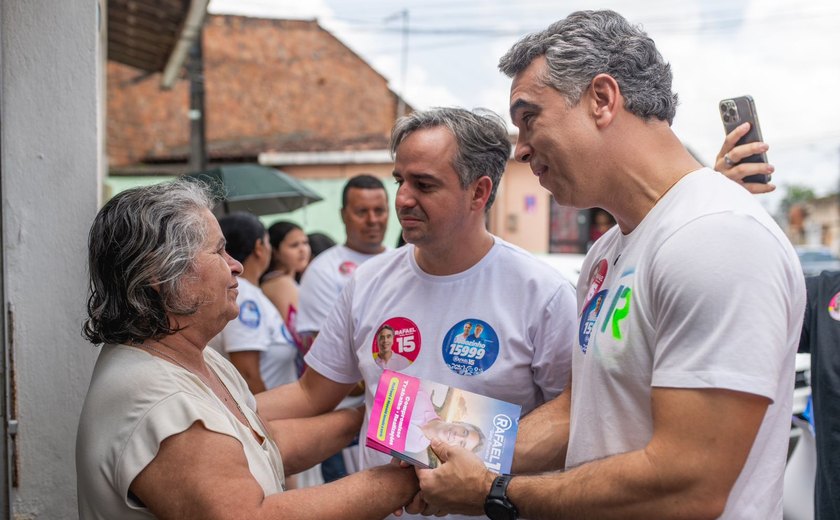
(346, 268)
(596, 280)
(470, 347)
(834, 307)
(249, 314)
(396, 343)
(588, 318)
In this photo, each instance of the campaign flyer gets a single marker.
(408, 412)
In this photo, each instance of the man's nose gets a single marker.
(404, 197)
(523, 151)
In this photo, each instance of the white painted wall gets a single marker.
(51, 167)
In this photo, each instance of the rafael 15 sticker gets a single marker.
(470, 347)
(596, 280)
(396, 343)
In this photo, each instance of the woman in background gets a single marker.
(290, 255)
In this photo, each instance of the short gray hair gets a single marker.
(588, 43)
(481, 137)
(141, 245)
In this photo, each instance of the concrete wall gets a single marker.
(51, 128)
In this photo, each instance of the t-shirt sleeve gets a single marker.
(720, 324)
(316, 297)
(332, 355)
(169, 417)
(553, 342)
(245, 333)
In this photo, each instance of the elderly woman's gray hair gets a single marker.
(141, 245)
(481, 135)
(588, 43)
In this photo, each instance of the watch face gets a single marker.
(497, 509)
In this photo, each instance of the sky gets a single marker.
(784, 53)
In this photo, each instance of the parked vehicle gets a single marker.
(802, 383)
(816, 259)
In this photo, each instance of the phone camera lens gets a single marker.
(726, 118)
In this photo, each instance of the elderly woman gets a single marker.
(169, 428)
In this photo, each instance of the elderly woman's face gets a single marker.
(212, 282)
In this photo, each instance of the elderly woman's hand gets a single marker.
(728, 161)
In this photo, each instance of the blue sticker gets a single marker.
(287, 334)
(249, 314)
(589, 317)
(470, 347)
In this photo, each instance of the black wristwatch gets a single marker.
(496, 505)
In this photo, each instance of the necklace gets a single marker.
(202, 378)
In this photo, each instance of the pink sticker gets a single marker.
(396, 343)
(596, 280)
(834, 307)
(347, 267)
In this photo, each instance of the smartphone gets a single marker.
(735, 111)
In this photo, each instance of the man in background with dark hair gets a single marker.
(364, 212)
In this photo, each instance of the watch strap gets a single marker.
(496, 505)
(499, 487)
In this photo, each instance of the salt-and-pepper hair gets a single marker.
(142, 245)
(588, 43)
(481, 137)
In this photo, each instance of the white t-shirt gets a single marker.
(526, 308)
(135, 401)
(322, 282)
(705, 293)
(260, 327)
(396, 362)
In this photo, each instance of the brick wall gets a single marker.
(271, 85)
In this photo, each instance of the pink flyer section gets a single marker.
(392, 409)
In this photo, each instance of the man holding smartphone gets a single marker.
(728, 160)
(690, 309)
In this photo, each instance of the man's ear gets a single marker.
(604, 99)
(481, 192)
(259, 251)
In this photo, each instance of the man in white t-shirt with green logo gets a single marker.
(690, 308)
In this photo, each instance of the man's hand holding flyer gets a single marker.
(408, 413)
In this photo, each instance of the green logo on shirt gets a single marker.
(618, 312)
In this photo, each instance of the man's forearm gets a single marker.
(701, 441)
(312, 395)
(543, 437)
(306, 442)
(284, 402)
(622, 487)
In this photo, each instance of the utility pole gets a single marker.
(403, 59)
(198, 138)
